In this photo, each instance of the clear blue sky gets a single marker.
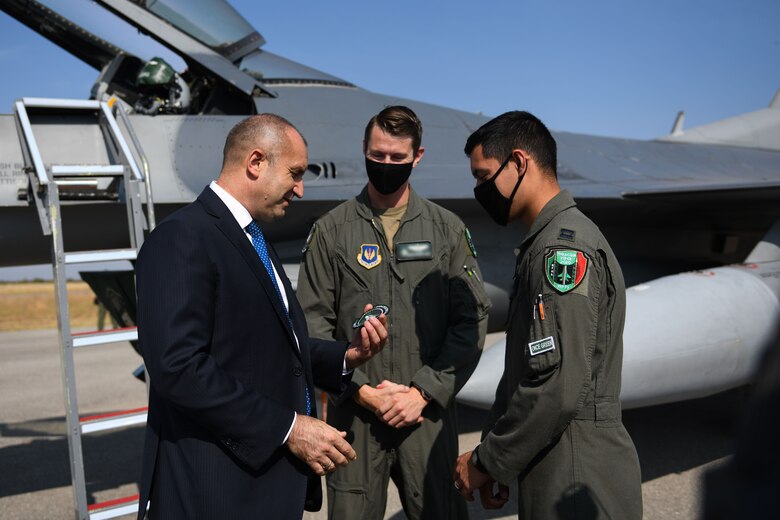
(604, 67)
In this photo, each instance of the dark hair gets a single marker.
(398, 121)
(268, 129)
(512, 130)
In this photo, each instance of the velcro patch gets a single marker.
(565, 268)
(566, 234)
(405, 251)
(540, 347)
(369, 256)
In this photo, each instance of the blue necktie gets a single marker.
(258, 241)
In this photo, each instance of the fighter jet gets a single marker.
(692, 216)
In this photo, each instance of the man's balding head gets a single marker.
(267, 131)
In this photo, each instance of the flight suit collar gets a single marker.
(364, 209)
(561, 202)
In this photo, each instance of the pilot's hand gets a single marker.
(467, 478)
(372, 398)
(402, 409)
(319, 445)
(491, 500)
(369, 340)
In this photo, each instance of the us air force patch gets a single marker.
(540, 347)
(369, 256)
(470, 243)
(565, 269)
(308, 239)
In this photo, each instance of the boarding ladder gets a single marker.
(47, 181)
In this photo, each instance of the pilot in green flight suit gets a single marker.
(389, 246)
(555, 425)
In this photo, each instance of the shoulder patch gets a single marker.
(565, 268)
(469, 242)
(308, 239)
(567, 234)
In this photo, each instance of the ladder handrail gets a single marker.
(120, 140)
(150, 216)
(47, 200)
(30, 142)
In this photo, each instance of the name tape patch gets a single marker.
(405, 251)
(540, 347)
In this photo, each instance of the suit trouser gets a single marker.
(420, 459)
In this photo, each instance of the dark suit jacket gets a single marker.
(226, 373)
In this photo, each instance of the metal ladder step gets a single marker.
(113, 420)
(87, 170)
(88, 339)
(114, 508)
(107, 255)
(33, 102)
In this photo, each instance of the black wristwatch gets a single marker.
(425, 395)
(476, 462)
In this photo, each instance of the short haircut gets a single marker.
(398, 121)
(267, 130)
(512, 130)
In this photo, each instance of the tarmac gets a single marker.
(677, 443)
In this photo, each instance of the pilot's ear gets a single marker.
(365, 147)
(418, 156)
(521, 160)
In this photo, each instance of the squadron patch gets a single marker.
(565, 269)
(308, 238)
(470, 243)
(540, 347)
(369, 256)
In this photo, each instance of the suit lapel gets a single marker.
(230, 228)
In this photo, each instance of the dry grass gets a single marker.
(32, 306)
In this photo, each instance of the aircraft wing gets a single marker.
(598, 167)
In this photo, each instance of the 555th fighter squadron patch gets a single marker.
(369, 256)
(565, 268)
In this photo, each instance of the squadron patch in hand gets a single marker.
(369, 256)
(565, 268)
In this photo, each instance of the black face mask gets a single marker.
(496, 205)
(387, 178)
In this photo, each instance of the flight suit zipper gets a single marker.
(381, 238)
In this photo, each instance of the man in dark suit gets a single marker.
(232, 431)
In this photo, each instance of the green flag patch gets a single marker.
(565, 269)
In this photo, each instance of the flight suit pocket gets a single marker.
(542, 353)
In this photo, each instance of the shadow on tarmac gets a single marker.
(111, 459)
(669, 438)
